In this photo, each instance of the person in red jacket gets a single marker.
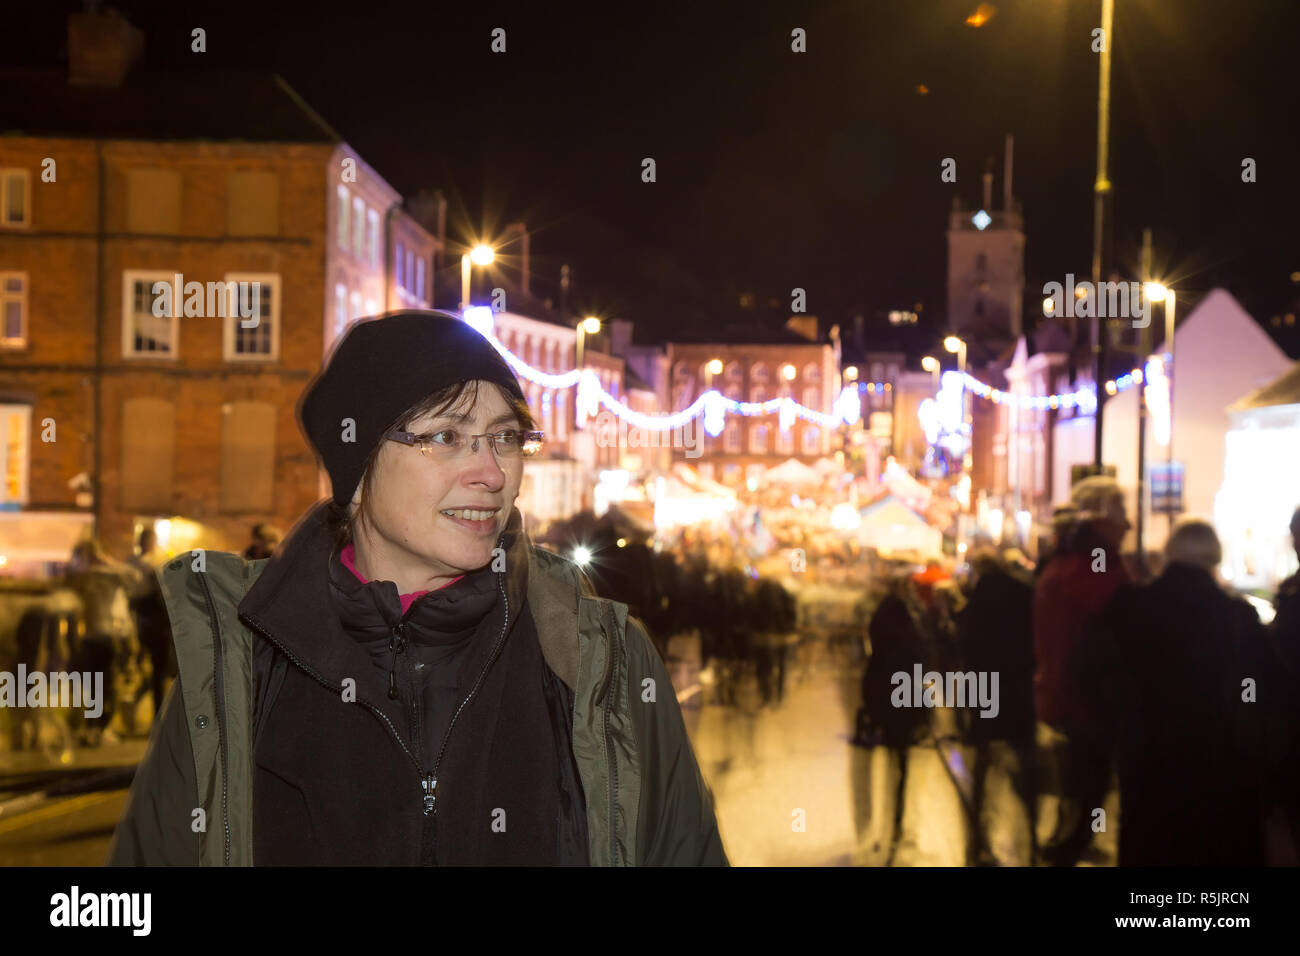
(1074, 588)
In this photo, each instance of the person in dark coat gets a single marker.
(1186, 671)
(151, 623)
(1072, 592)
(996, 635)
(897, 645)
(1284, 631)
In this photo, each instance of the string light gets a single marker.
(715, 406)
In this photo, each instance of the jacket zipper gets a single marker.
(428, 780)
(221, 708)
(611, 650)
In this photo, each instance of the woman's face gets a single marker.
(415, 540)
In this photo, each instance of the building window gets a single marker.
(344, 227)
(247, 457)
(812, 397)
(758, 373)
(13, 309)
(733, 372)
(811, 440)
(262, 340)
(15, 197)
(785, 440)
(356, 305)
(252, 203)
(561, 421)
(372, 237)
(145, 334)
(758, 439)
(410, 270)
(419, 278)
(372, 307)
(681, 371)
(16, 428)
(340, 309)
(400, 265)
(153, 201)
(359, 228)
(758, 394)
(812, 372)
(148, 452)
(731, 437)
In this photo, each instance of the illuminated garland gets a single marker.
(591, 395)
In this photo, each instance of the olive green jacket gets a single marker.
(647, 803)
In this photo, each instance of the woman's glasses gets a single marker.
(448, 443)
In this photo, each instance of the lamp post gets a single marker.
(953, 344)
(480, 255)
(588, 326)
(1100, 190)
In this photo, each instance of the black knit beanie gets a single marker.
(379, 369)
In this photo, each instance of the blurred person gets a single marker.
(1075, 585)
(151, 623)
(407, 667)
(265, 538)
(897, 645)
(996, 635)
(109, 643)
(1194, 753)
(1284, 630)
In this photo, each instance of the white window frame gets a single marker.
(359, 228)
(25, 450)
(343, 228)
(419, 279)
(732, 437)
(372, 237)
(26, 221)
(340, 315)
(230, 322)
(410, 269)
(21, 298)
(129, 279)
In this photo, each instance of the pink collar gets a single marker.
(346, 556)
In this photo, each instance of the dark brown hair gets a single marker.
(342, 525)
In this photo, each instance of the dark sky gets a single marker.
(775, 169)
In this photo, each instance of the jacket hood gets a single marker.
(294, 602)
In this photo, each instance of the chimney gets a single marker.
(521, 230)
(1006, 175)
(102, 46)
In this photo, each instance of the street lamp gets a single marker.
(714, 367)
(931, 365)
(480, 255)
(588, 326)
(953, 344)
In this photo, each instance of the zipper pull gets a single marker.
(429, 784)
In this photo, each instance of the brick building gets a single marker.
(121, 189)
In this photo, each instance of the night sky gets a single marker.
(777, 169)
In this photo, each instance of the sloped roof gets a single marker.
(1283, 391)
(211, 105)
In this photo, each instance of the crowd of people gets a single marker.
(107, 616)
(1170, 688)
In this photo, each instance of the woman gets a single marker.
(407, 681)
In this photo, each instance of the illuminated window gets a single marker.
(16, 421)
(341, 211)
(372, 237)
(400, 265)
(359, 228)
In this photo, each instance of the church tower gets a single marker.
(986, 266)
